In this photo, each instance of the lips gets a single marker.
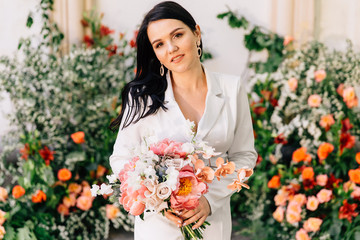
(177, 58)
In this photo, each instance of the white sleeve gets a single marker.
(241, 152)
(126, 140)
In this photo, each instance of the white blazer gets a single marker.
(226, 125)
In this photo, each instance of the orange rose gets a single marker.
(86, 191)
(324, 150)
(302, 235)
(2, 232)
(327, 121)
(354, 175)
(3, 194)
(340, 89)
(64, 174)
(357, 157)
(292, 83)
(312, 203)
(100, 171)
(312, 224)
(299, 154)
(2, 217)
(307, 173)
(321, 179)
(111, 211)
(314, 100)
(274, 182)
(324, 195)
(348, 94)
(320, 75)
(18, 191)
(38, 197)
(84, 203)
(70, 201)
(352, 103)
(300, 199)
(278, 215)
(63, 210)
(293, 217)
(75, 188)
(280, 199)
(78, 137)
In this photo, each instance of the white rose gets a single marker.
(163, 191)
(187, 147)
(105, 189)
(152, 203)
(151, 186)
(112, 178)
(94, 190)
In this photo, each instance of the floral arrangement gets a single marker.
(308, 111)
(170, 176)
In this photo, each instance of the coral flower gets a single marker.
(38, 197)
(18, 191)
(327, 121)
(2, 217)
(78, 137)
(301, 155)
(300, 199)
(320, 75)
(324, 195)
(352, 103)
(314, 100)
(354, 175)
(278, 215)
(74, 188)
(302, 235)
(288, 39)
(2, 232)
(312, 203)
(357, 157)
(324, 150)
(203, 173)
(190, 189)
(293, 212)
(307, 173)
(340, 89)
(274, 182)
(70, 201)
(321, 180)
(111, 211)
(3, 194)
(347, 211)
(84, 203)
(63, 210)
(224, 168)
(348, 94)
(47, 155)
(293, 84)
(25, 152)
(281, 198)
(100, 171)
(239, 182)
(64, 174)
(312, 224)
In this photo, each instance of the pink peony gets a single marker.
(167, 147)
(189, 190)
(314, 100)
(293, 84)
(320, 75)
(324, 195)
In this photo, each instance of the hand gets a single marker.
(174, 218)
(200, 213)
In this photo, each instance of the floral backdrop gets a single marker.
(306, 118)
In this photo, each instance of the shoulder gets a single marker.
(227, 82)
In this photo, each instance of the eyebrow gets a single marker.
(157, 40)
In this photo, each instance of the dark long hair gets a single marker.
(148, 83)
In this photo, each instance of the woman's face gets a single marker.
(174, 44)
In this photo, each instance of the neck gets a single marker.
(190, 80)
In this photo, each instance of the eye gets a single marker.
(158, 45)
(177, 35)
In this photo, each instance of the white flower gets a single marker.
(172, 178)
(188, 148)
(150, 172)
(112, 178)
(105, 189)
(163, 191)
(94, 190)
(152, 203)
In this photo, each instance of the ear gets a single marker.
(197, 31)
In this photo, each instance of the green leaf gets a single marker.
(222, 15)
(10, 233)
(29, 21)
(24, 233)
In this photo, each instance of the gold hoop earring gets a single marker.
(198, 48)
(162, 71)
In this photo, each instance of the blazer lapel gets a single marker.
(214, 104)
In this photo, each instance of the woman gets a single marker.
(173, 86)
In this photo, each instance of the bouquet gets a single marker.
(169, 176)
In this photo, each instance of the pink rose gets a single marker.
(312, 203)
(70, 201)
(324, 195)
(2, 217)
(3, 194)
(321, 179)
(279, 214)
(111, 211)
(356, 192)
(314, 100)
(189, 190)
(84, 203)
(302, 235)
(293, 84)
(320, 75)
(2, 232)
(312, 224)
(63, 210)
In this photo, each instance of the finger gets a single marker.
(193, 219)
(189, 213)
(178, 221)
(200, 222)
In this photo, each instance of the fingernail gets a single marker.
(193, 228)
(184, 224)
(179, 221)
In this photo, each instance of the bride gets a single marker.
(171, 86)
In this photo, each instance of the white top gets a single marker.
(226, 125)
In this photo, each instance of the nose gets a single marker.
(172, 47)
